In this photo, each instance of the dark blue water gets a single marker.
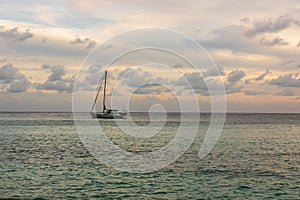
(257, 157)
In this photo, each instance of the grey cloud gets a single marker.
(144, 81)
(286, 81)
(8, 73)
(177, 65)
(195, 80)
(200, 85)
(235, 76)
(88, 42)
(269, 26)
(57, 73)
(214, 71)
(254, 93)
(94, 69)
(20, 85)
(259, 78)
(78, 40)
(124, 72)
(217, 90)
(55, 48)
(298, 65)
(245, 20)
(93, 75)
(46, 66)
(232, 38)
(289, 61)
(14, 35)
(60, 86)
(12, 80)
(286, 93)
(228, 38)
(56, 80)
(298, 45)
(135, 79)
(231, 88)
(262, 76)
(151, 88)
(275, 41)
(248, 81)
(4, 59)
(91, 44)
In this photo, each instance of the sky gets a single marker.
(255, 46)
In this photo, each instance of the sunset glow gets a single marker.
(256, 45)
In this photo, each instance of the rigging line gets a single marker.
(104, 91)
(97, 93)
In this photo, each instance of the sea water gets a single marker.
(256, 157)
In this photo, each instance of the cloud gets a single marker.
(231, 88)
(298, 45)
(12, 80)
(298, 65)
(90, 43)
(259, 78)
(46, 66)
(94, 69)
(231, 37)
(57, 73)
(276, 41)
(5, 59)
(286, 81)
(134, 78)
(248, 81)
(92, 78)
(254, 93)
(262, 76)
(289, 61)
(14, 35)
(235, 76)
(228, 37)
(195, 80)
(200, 85)
(177, 65)
(20, 85)
(286, 93)
(269, 26)
(245, 20)
(60, 86)
(151, 88)
(56, 80)
(214, 71)
(8, 73)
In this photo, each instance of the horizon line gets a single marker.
(231, 112)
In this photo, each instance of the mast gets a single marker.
(104, 91)
(99, 88)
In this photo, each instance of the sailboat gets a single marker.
(107, 113)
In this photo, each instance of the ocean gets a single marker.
(257, 157)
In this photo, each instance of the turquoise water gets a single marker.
(257, 157)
